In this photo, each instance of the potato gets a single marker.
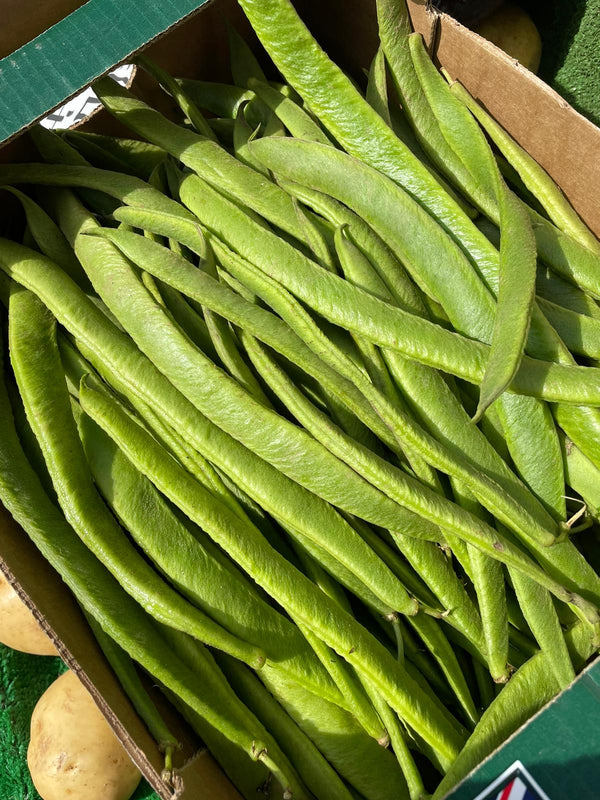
(513, 30)
(19, 629)
(73, 752)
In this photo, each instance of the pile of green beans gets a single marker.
(301, 398)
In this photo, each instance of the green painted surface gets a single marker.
(75, 51)
(570, 31)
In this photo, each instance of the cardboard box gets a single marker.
(102, 33)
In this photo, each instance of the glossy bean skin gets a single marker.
(404, 427)
(517, 262)
(450, 353)
(99, 593)
(510, 555)
(198, 570)
(25, 267)
(246, 546)
(222, 450)
(37, 366)
(354, 127)
(564, 559)
(340, 107)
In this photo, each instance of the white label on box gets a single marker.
(85, 103)
(515, 783)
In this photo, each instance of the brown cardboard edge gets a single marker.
(540, 120)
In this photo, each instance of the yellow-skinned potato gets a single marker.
(19, 629)
(73, 753)
(512, 30)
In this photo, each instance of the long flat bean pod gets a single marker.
(404, 427)
(331, 95)
(89, 325)
(319, 776)
(102, 596)
(259, 322)
(280, 579)
(533, 175)
(37, 366)
(201, 575)
(517, 266)
(202, 155)
(226, 403)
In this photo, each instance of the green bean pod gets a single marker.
(124, 668)
(49, 239)
(194, 564)
(319, 776)
(535, 178)
(40, 378)
(102, 596)
(178, 93)
(132, 156)
(281, 580)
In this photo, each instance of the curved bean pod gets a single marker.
(370, 769)
(320, 777)
(133, 156)
(202, 573)
(414, 782)
(100, 594)
(358, 703)
(124, 668)
(404, 427)
(348, 117)
(298, 122)
(89, 325)
(538, 609)
(533, 175)
(207, 675)
(262, 324)
(70, 306)
(205, 157)
(172, 87)
(37, 367)
(49, 239)
(281, 580)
